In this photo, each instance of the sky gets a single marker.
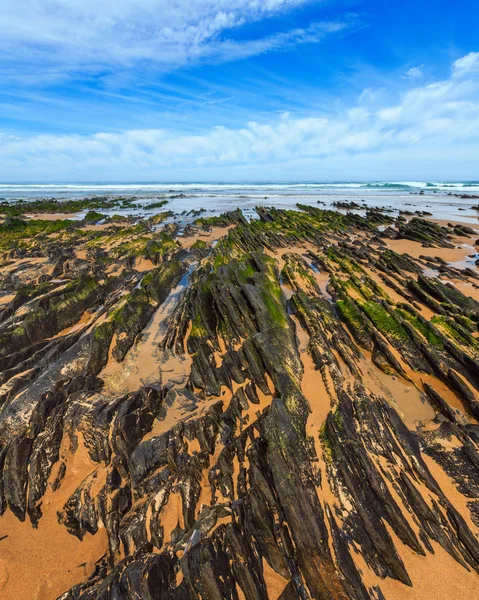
(239, 90)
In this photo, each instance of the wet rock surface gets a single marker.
(281, 408)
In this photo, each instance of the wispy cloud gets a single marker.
(225, 50)
(438, 120)
(51, 39)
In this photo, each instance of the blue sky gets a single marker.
(229, 90)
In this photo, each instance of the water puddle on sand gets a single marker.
(441, 388)
(465, 263)
(402, 394)
(407, 398)
(322, 277)
(286, 289)
(145, 363)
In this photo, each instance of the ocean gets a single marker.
(439, 198)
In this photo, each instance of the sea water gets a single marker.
(439, 198)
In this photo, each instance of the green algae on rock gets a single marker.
(311, 421)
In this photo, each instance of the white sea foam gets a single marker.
(215, 197)
(99, 188)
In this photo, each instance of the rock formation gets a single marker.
(283, 408)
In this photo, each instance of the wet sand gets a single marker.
(144, 363)
(312, 384)
(415, 249)
(275, 584)
(40, 564)
(205, 236)
(436, 576)
(52, 216)
(404, 396)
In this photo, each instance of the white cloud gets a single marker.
(55, 36)
(413, 73)
(434, 126)
(466, 65)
